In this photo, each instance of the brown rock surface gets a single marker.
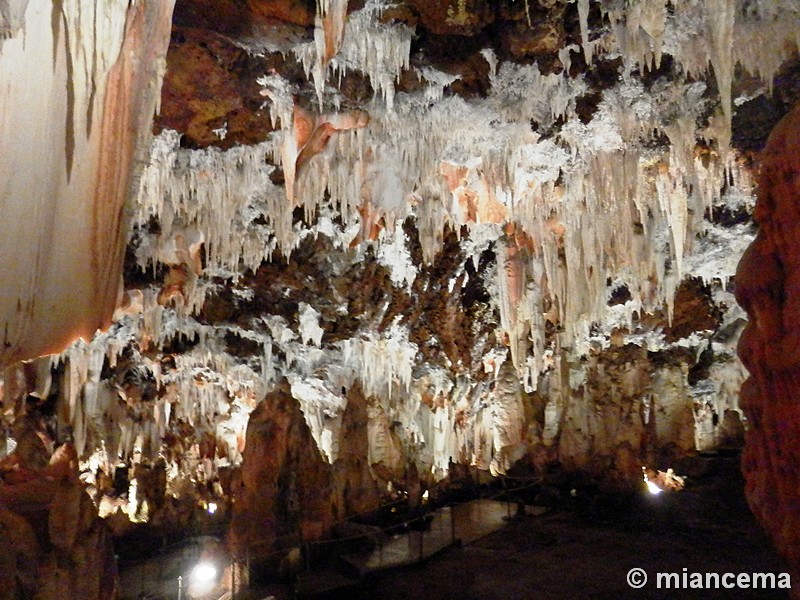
(289, 491)
(766, 286)
(454, 17)
(210, 92)
(53, 546)
(298, 12)
(286, 484)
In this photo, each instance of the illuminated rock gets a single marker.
(766, 282)
(413, 240)
(78, 133)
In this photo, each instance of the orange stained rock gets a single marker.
(475, 203)
(296, 12)
(521, 238)
(372, 223)
(515, 276)
(767, 286)
(520, 246)
(308, 137)
(333, 28)
(173, 289)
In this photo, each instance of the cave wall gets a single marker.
(766, 285)
(54, 545)
(80, 82)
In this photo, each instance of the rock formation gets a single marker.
(54, 544)
(765, 286)
(63, 234)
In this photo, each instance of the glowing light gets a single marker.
(652, 487)
(211, 508)
(133, 501)
(662, 480)
(204, 573)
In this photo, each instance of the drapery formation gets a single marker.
(79, 82)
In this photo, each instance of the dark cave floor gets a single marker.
(586, 549)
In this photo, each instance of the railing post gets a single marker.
(233, 577)
(421, 538)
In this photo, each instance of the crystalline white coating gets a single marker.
(393, 254)
(310, 331)
(382, 362)
(213, 192)
(592, 200)
(323, 412)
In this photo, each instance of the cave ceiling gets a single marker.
(512, 226)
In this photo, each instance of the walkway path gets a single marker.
(463, 523)
(460, 524)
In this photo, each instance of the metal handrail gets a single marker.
(310, 549)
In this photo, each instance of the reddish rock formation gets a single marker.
(53, 543)
(289, 492)
(464, 17)
(286, 484)
(203, 100)
(299, 12)
(694, 310)
(767, 283)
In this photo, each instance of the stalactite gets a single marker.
(198, 196)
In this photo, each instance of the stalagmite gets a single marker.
(765, 280)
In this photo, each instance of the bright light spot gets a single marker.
(133, 502)
(11, 445)
(662, 480)
(211, 508)
(204, 573)
(425, 495)
(652, 487)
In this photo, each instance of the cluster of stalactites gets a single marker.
(123, 405)
(356, 42)
(599, 201)
(210, 198)
(701, 33)
(566, 212)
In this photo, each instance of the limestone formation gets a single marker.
(766, 285)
